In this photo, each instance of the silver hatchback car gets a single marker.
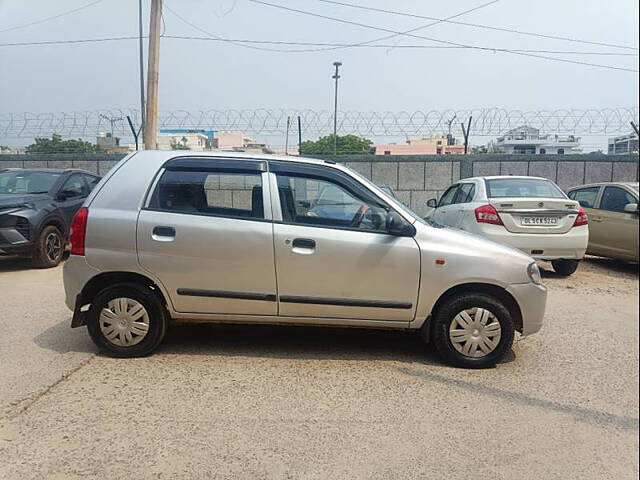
(248, 239)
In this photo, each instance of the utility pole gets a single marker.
(299, 137)
(286, 141)
(335, 109)
(141, 52)
(151, 118)
(465, 132)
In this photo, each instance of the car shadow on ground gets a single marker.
(605, 265)
(14, 264)
(61, 338)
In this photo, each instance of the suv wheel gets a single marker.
(49, 248)
(565, 267)
(127, 320)
(473, 330)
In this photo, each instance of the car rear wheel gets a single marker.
(565, 267)
(473, 330)
(127, 320)
(49, 248)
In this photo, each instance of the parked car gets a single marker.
(230, 238)
(36, 208)
(613, 211)
(528, 213)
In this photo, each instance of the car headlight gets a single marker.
(534, 273)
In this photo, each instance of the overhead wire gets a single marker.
(53, 17)
(477, 25)
(291, 43)
(422, 37)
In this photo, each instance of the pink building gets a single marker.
(424, 146)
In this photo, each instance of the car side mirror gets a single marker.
(61, 197)
(432, 202)
(396, 225)
(631, 208)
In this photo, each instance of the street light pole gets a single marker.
(335, 109)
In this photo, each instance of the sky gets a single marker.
(203, 75)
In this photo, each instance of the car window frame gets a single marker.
(218, 165)
(596, 200)
(327, 174)
(472, 192)
(601, 197)
(86, 191)
(455, 187)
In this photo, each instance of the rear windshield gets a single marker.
(522, 187)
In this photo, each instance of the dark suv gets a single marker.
(36, 208)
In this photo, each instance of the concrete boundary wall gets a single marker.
(414, 178)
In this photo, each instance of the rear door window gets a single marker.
(220, 193)
(586, 197)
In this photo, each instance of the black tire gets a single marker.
(46, 255)
(565, 267)
(157, 314)
(445, 316)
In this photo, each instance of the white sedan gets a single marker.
(528, 213)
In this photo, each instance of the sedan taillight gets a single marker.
(581, 218)
(488, 214)
(78, 231)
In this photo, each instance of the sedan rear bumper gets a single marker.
(544, 246)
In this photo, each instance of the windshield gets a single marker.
(522, 187)
(23, 182)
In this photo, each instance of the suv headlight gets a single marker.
(534, 273)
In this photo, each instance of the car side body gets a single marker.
(35, 200)
(613, 213)
(267, 259)
(543, 223)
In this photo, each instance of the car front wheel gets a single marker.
(127, 320)
(473, 330)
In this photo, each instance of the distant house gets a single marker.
(527, 140)
(434, 145)
(623, 144)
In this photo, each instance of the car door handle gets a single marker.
(163, 234)
(304, 246)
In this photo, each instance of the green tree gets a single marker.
(346, 145)
(55, 144)
(181, 145)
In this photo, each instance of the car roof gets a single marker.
(499, 177)
(51, 170)
(598, 184)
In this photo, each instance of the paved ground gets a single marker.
(269, 402)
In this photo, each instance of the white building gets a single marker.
(184, 140)
(623, 144)
(527, 140)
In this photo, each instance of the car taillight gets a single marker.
(582, 218)
(78, 231)
(488, 214)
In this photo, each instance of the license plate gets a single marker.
(539, 220)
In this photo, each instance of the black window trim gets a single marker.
(455, 186)
(205, 164)
(322, 173)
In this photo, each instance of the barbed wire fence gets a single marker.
(271, 124)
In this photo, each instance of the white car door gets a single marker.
(463, 203)
(442, 213)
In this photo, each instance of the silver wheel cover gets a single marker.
(53, 246)
(124, 322)
(475, 332)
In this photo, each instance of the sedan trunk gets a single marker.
(536, 215)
